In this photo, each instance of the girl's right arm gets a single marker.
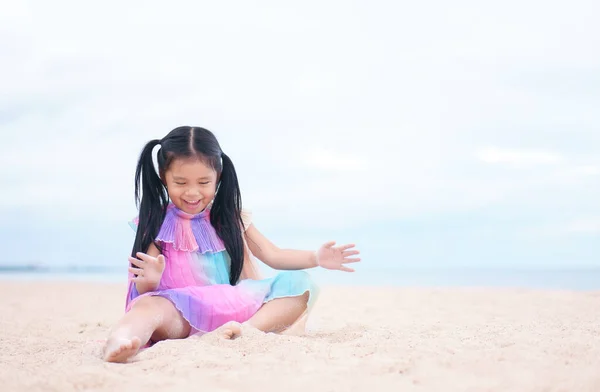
(148, 269)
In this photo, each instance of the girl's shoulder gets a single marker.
(246, 216)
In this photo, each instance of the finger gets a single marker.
(137, 262)
(136, 271)
(346, 269)
(344, 247)
(160, 259)
(329, 244)
(145, 257)
(351, 260)
(350, 253)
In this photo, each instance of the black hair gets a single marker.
(225, 213)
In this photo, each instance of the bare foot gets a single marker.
(229, 331)
(120, 349)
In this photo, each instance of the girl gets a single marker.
(191, 267)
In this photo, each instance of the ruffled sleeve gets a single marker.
(250, 269)
(246, 218)
(134, 223)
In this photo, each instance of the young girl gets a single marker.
(191, 267)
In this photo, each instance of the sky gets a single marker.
(431, 134)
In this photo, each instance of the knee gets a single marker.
(304, 298)
(301, 301)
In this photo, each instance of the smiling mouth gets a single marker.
(194, 203)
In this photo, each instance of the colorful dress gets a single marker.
(196, 275)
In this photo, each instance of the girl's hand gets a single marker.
(334, 258)
(149, 269)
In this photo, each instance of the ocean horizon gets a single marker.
(526, 278)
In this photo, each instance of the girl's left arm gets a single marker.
(327, 256)
(276, 258)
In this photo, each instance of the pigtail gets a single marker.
(225, 217)
(152, 203)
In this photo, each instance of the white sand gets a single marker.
(358, 340)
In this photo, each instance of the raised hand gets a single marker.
(334, 258)
(149, 269)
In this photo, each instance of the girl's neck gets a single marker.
(182, 214)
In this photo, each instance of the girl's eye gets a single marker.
(180, 183)
(204, 183)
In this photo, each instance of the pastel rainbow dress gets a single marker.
(196, 275)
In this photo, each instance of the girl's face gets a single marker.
(191, 184)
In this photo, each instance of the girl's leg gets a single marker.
(151, 317)
(278, 314)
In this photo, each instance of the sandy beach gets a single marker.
(358, 339)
